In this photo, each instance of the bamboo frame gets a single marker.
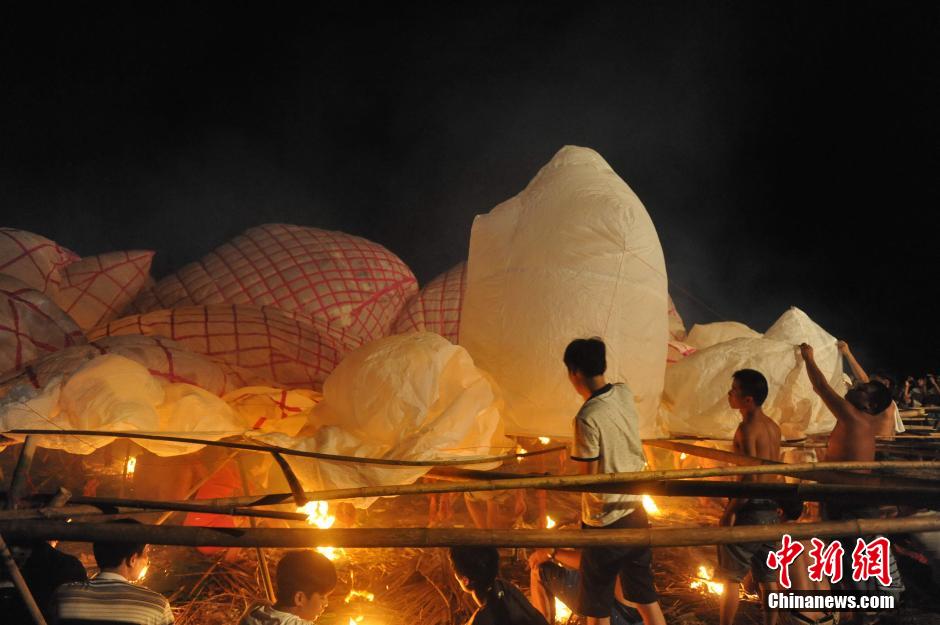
(438, 537)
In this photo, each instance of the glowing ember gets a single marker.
(544, 440)
(364, 594)
(131, 465)
(649, 505)
(562, 612)
(703, 582)
(683, 456)
(549, 522)
(318, 513)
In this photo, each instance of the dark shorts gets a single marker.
(736, 559)
(600, 567)
(565, 584)
(837, 512)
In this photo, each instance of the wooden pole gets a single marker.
(398, 537)
(21, 472)
(607, 478)
(262, 561)
(102, 507)
(267, 449)
(837, 477)
(17, 578)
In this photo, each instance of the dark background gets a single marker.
(787, 152)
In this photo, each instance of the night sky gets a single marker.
(787, 152)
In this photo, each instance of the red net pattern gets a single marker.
(31, 325)
(437, 307)
(275, 348)
(96, 289)
(320, 276)
(34, 260)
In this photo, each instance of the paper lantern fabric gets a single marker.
(410, 396)
(436, 308)
(573, 255)
(344, 281)
(113, 393)
(275, 348)
(34, 260)
(705, 335)
(96, 289)
(695, 396)
(31, 325)
(677, 347)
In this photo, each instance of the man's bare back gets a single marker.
(758, 435)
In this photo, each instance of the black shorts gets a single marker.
(600, 567)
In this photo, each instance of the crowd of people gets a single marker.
(603, 585)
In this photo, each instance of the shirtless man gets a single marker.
(759, 436)
(887, 422)
(853, 437)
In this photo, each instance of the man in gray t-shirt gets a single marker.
(607, 440)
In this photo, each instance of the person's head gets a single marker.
(790, 509)
(476, 569)
(126, 558)
(883, 378)
(748, 390)
(304, 581)
(585, 359)
(870, 397)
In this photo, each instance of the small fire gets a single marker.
(131, 465)
(683, 456)
(544, 440)
(357, 620)
(520, 450)
(549, 522)
(318, 513)
(649, 505)
(364, 594)
(562, 612)
(143, 573)
(703, 582)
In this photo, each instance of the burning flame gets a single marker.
(549, 522)
(683, 456)
(357, 620)
(562, 612)
(364, 594)
(143, 573)
(649, 505)
(703, 582)
(544, 440)
(131, 465)
(318, 513)
(520, 450)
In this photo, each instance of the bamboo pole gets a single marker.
(456, 462)
(398, 537)
(17, 578)
(608, 478)
(838, 477)
(21, 472)
(104, 508)
(259, 552)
